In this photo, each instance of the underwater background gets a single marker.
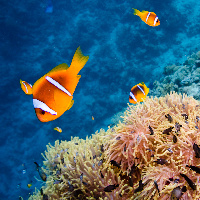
(36, 36)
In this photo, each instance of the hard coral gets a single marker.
(152, 154)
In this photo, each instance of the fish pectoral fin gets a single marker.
(71, 104)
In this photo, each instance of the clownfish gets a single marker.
(138, 93)
(149, 18)
(53, 92)
(26, 87)
(58, 129)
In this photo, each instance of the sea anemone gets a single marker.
(153, 153)
(159, 136)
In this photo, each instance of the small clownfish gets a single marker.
(26, 87)
(149, 18)
(29, 185)
(92, 118)
(53, 92)
(58, 129)
(138, 93)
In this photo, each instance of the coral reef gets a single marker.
(153, 153)
(182, 79)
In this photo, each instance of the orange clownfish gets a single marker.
(149, 18)
(26, 87)
(58, 129)
(53, 92)
(138, 93)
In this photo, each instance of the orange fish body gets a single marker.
(149, 18)
(53, 93)
(138, 93)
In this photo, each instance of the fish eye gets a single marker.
(42, 112)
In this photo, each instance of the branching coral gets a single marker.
(152, 154)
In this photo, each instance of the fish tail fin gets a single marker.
(136, 12)
(78, 61)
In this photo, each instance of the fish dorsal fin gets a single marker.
(60, 67)
(144, 11)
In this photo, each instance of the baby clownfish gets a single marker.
(138, 93)
(149, 18)
(26, 87)
(58, 129)
(53, 93)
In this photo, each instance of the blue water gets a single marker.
(123, 51)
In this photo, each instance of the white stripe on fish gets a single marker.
(141, 89)
(132, 95)
(52, 81)
(43, 106)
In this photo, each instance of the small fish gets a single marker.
(100, 162)
(151, 130)
(189, 181)
(102, 149)
(176, 193)
(170, 150)
(53, 93)
(175, 139)
(194, 168)
(29, 184)
(149, 18)
(185, 116)
(125, 148)
(81, 177)
(109, 188)
(161, 161)
(74, 159)
(168, 130)
(118, 138)
(114, 163)
(58, 181)
(84, 183)
(140, 187)
(58, 129)
(138, 93)
(196, 150)
(177, 126)
(26, 87)
(92, 118)
(168, 116)
(41, 172)
(156, 184)
(102, 176)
